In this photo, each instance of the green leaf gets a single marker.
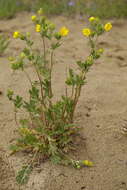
(56, 45)
(14, 148)
(56, 159)
(24, 122)
(26, 51)
(74, 79)
(10, 94)
(95, 54)
(34, 92)
(29, 139)
(31, 106)
(29, 42)
(18, 65)
(23, 175)
(18, 101)
(100, 29)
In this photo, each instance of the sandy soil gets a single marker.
(101, 112)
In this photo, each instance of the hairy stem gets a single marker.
(44, 50)
(51, 68)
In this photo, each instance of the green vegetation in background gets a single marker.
(107, 8)
(8, 8)
(100, 8)
(52, 7)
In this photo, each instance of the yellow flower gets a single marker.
(91, 19)
(87, 163)
(16, 35)
(38, 28)
(86, 32)
(64, 31)
(108, 26)
(34, 17)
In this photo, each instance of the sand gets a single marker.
(101, 111)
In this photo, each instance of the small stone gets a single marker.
(83, 187)
(87, 115)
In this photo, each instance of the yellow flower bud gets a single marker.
(52, 26)
(11, 58)
(89, 58)
(87, 163)
(38, 28)
(16, 34)
(78, 166)
(22, 55)
(86, 32)
(91, 19)
(101, 50)
(28, 34)
(40, 11)
(34, 17)
(108, 27)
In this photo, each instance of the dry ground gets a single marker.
(101, 112)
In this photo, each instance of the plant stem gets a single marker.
(72, 92)
(43, 105)
(51, 67)
(15, 112)
(77, 94)
(44, 46)
(40, 81)
(66, 90)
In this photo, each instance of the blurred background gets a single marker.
(101, 8)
